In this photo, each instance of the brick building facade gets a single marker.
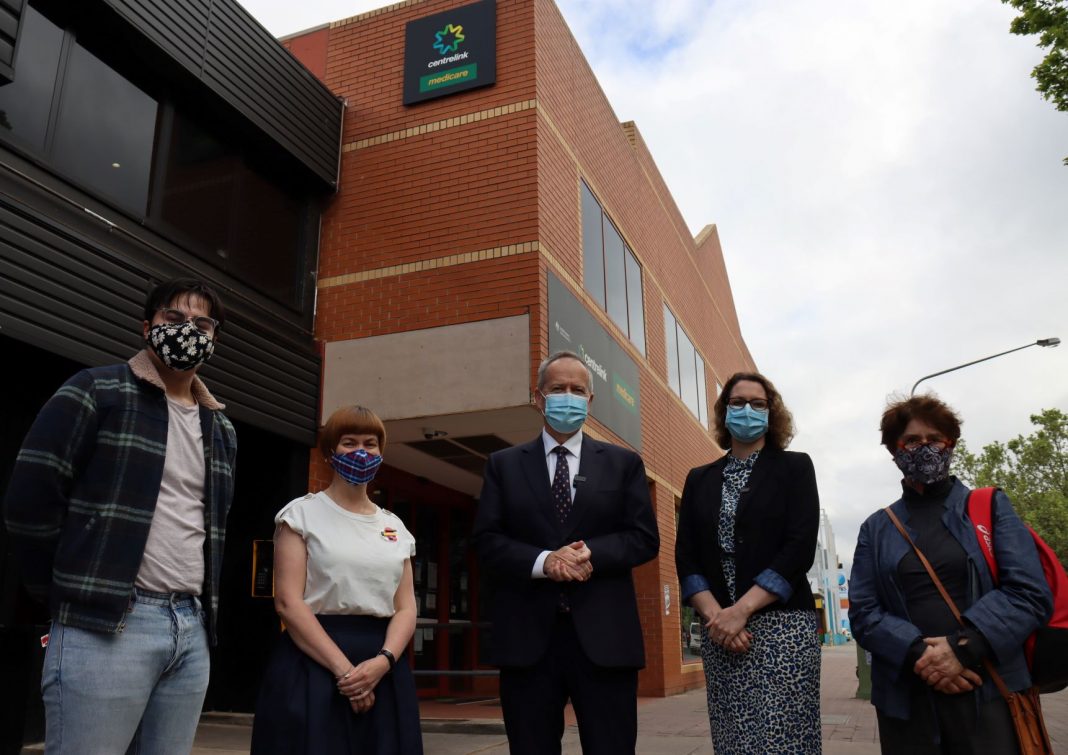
(437, 254)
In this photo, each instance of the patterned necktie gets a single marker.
(561, 489)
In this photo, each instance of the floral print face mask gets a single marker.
(182, 346)
(925, 464)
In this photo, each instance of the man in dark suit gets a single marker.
(561, 522)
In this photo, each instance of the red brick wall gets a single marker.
(510, 179)
(310, 49)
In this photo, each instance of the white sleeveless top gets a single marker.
(355, 561)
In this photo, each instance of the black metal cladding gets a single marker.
(10, 14)
(73, 285)
(225, 48)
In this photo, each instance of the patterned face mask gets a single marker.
(182, 346)
(356, 467)
(924, 464)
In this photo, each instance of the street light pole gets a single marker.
(1039, 342)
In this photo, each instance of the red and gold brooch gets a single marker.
(390, 534)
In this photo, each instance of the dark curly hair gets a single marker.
(780, 421)
(926, 408)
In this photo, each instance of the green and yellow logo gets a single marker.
(624, 393)
(448, 39)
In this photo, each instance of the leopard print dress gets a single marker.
(765, 700)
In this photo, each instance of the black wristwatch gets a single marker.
(389, 657)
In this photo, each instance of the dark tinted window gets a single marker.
(672, 345)
(685, 368)
(25, 102)
(592, 250)
(688, 374)
(635, 315)
(105, 131)
(88, 122)
(702, 398)
(232, 215)
(615, 276)
(610, 271)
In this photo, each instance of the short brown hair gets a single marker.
(780, 421)
(926, 408)
(350, 420)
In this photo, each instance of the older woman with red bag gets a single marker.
(924, 603)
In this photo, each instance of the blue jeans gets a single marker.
(137, 691)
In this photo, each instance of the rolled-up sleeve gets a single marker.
(774, 583)
(691, 585)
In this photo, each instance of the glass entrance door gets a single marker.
(445, 645)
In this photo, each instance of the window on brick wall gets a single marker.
(671, 339)
(685, 368)
(610, 271)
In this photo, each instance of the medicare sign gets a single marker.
(614, 374)
(450, 52)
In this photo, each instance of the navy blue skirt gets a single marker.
(300, 710)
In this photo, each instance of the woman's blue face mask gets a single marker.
(745, 423)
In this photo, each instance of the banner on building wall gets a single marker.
(450, 52)
(616, 403)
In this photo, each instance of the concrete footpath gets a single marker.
(666, 726)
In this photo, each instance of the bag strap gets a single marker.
(980, 511)
(994, 675)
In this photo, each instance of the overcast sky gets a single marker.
(888, 190)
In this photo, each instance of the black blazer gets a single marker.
(775, 528)
(516, 521)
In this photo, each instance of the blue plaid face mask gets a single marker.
(356, 467)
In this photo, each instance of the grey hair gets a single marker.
(544, 366)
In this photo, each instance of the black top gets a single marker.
(927, 609)
(775, 527)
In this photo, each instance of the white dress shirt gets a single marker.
(574, 456)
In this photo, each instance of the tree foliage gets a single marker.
(1033, 471)
(1049, 20)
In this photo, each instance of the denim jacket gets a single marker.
(1005, 614)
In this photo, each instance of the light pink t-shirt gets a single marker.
(174, 553)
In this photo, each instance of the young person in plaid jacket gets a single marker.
(116, 512)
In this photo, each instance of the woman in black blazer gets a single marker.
(746, 539)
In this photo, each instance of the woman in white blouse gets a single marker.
(338, 682)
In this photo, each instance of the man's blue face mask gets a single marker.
(565, 412)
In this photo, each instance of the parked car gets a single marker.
(695, 635)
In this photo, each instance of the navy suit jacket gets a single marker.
(516, 521)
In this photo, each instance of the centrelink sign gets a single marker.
(450, 52)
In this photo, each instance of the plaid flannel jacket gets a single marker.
(84, 488)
